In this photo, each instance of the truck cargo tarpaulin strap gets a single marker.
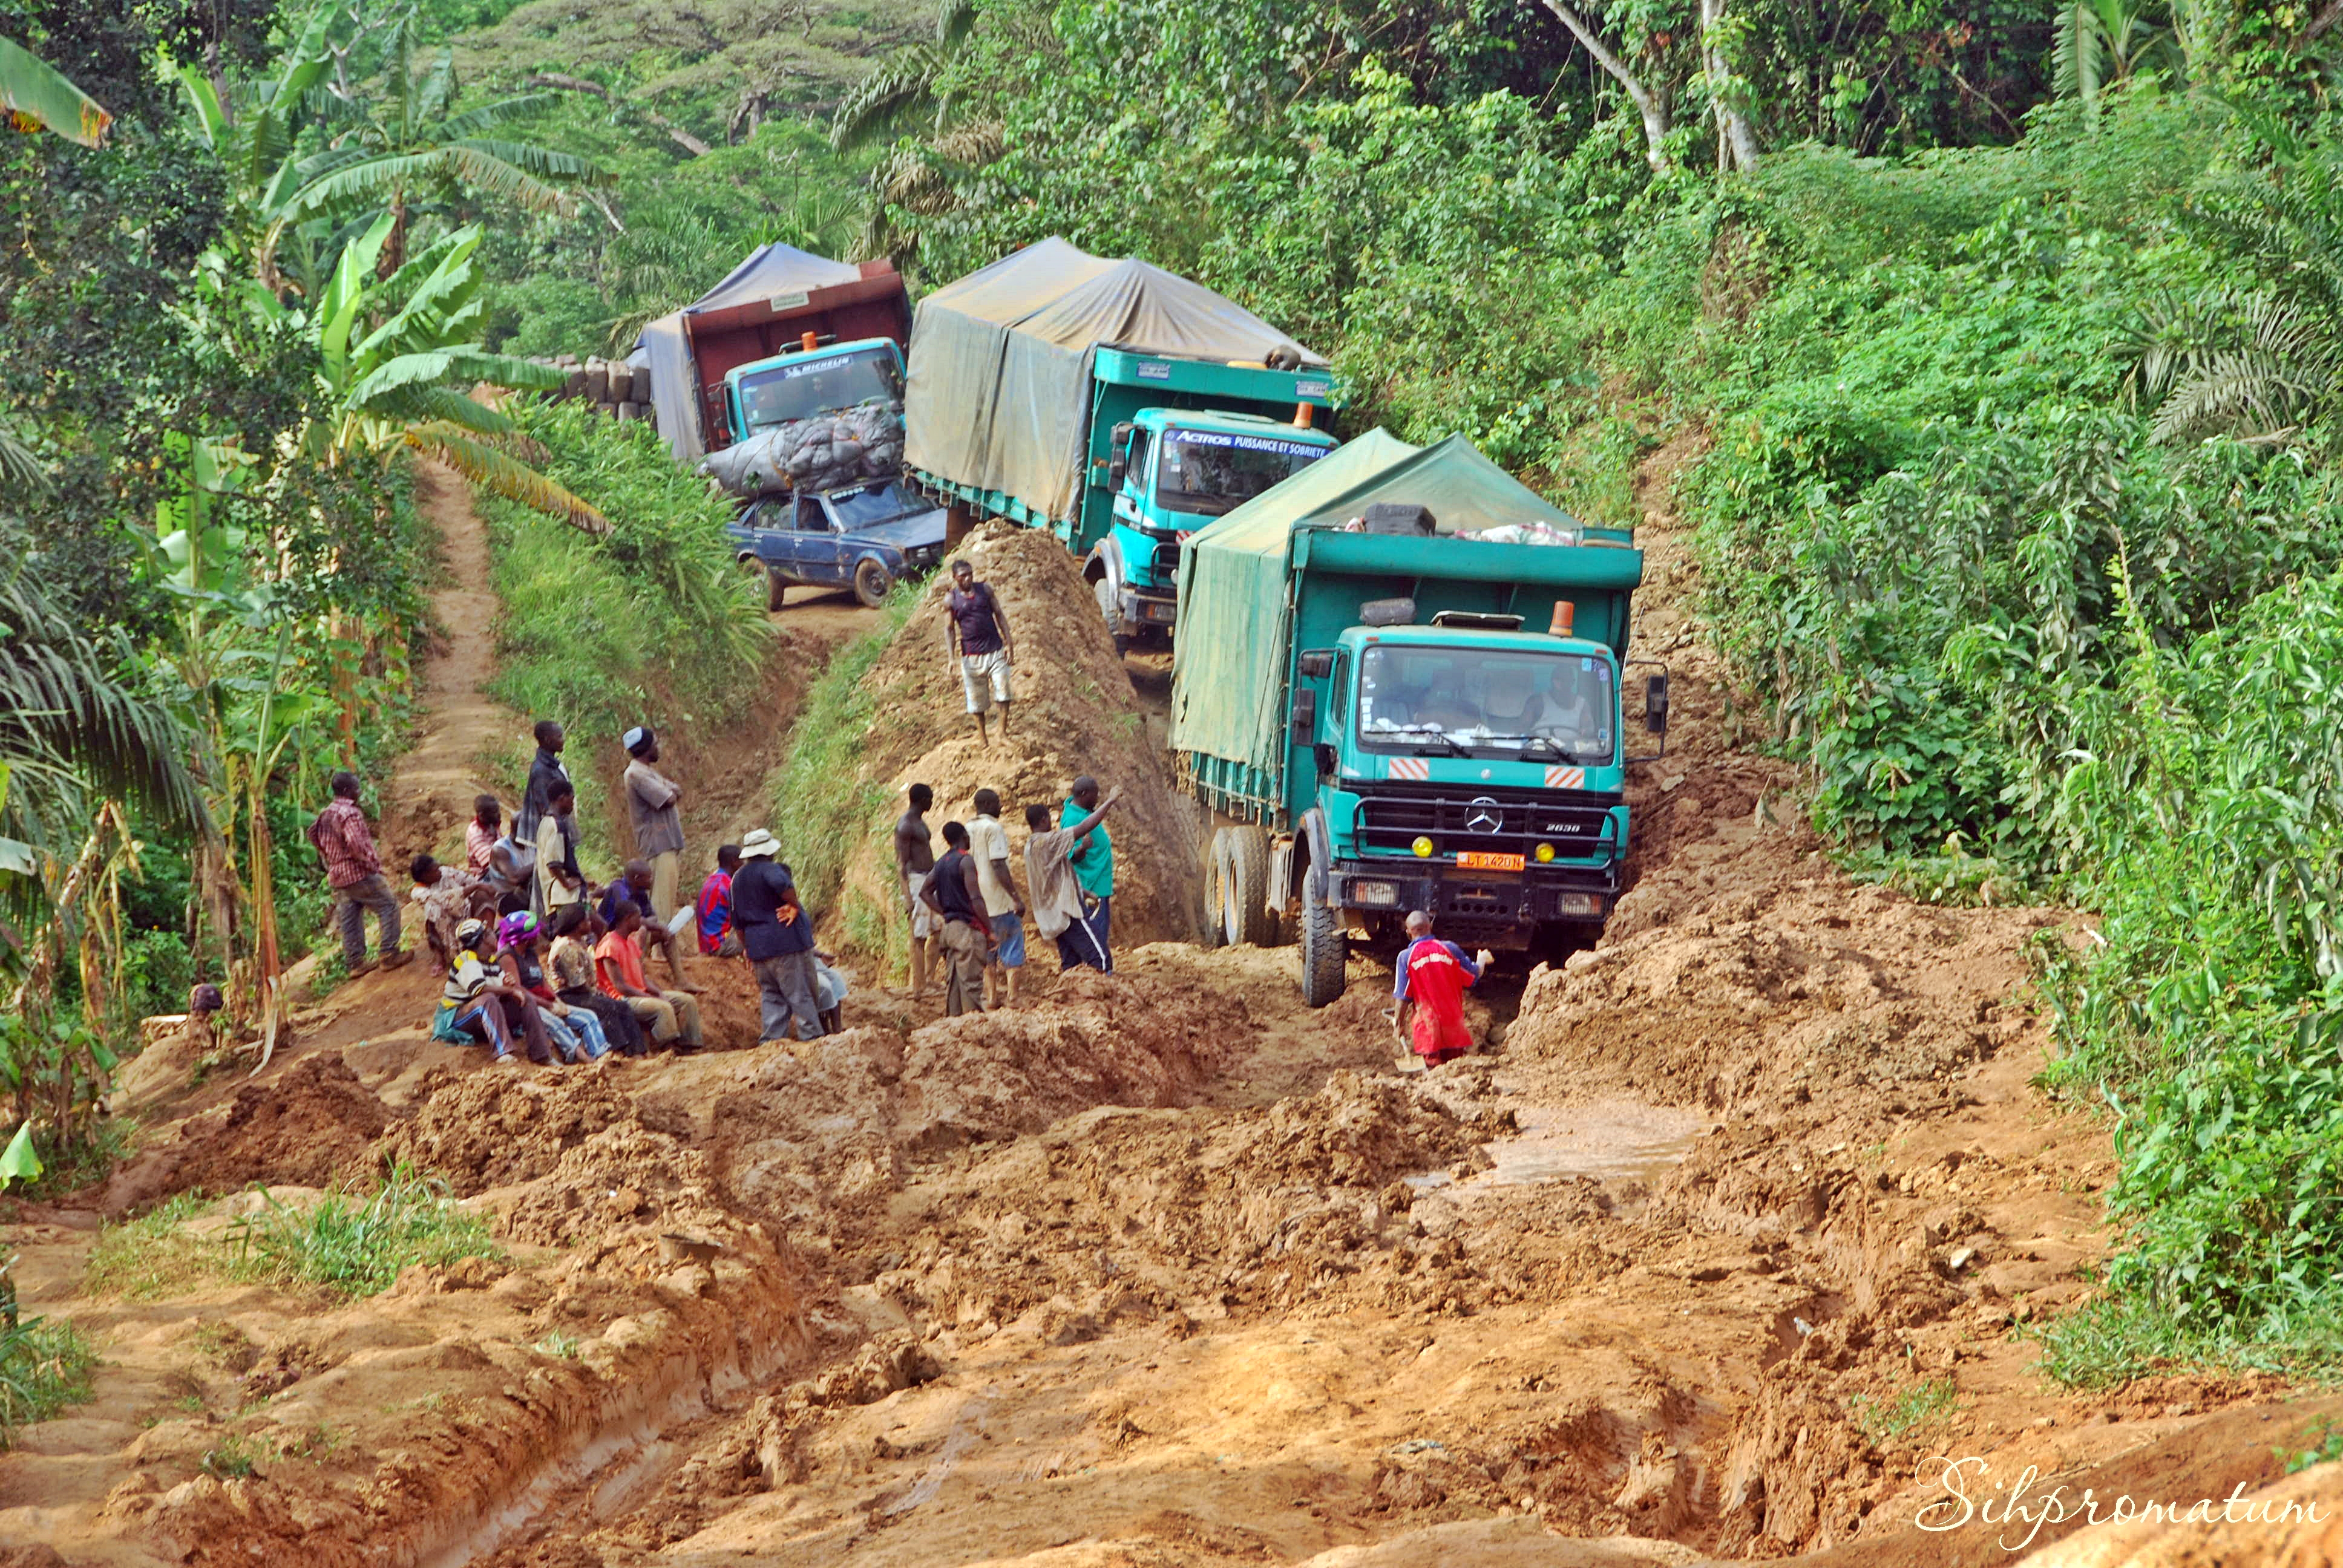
(768, 271)
(1028, 325)
(1234, 603)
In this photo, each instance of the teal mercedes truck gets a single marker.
(1118, 406)
(1400, 683)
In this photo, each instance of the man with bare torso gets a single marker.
(915, 857)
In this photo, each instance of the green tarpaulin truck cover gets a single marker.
(1228, 651)
(997, 393)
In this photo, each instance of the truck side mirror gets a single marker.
(1115, 469)
(1318, 663)
(1305, 715)
(1655, 703)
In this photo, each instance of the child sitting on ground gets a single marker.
(445, 895)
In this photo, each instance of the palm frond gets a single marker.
(472, 121)
(62, 710)
(874, 103)
(498, 471)
(540, 163)
(21, 472)
(426, 405)
(2240, 365)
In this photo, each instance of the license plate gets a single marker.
(1482, 860)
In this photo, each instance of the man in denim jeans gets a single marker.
(354, 872)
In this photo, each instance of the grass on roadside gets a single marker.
(351, 1242)
(1907, 1410)
(46, 1364)
(2116, 1339)
(821, 807)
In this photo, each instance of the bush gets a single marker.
(45, 1365)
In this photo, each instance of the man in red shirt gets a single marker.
(354, 872)
(1431, 977)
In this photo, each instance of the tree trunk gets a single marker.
(1736, 143)
(1648, 103)
(394, 245)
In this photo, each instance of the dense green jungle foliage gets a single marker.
(2004, 337)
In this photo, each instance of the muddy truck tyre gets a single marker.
(1244, 884)
(1324, 950)
(1111, 612)
(1216, 859)
(872, 582)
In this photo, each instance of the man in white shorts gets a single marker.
(976, 634)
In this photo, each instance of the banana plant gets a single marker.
(394, 386)
(34, 96)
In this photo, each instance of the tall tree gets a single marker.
(1650, 102)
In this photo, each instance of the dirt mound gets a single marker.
(1075, 712)
(483, 1129)
(1121, 1211)
(312, 1126)
(830, 1123)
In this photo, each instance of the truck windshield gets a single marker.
(810, 387)
(1209, 472)
(1486, 702)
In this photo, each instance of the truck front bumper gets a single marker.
(1145, 608)
(1488, 908)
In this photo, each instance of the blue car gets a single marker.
(862, 538)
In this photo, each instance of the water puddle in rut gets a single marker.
(1609, 1141)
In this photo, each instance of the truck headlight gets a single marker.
(1579, 904)
(1377, 895)
(1545, 853)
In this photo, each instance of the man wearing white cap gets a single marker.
(777, 934)
(651, 798)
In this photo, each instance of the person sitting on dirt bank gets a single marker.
(445, 895)
(977, 640)
(776, 933)
(987, 845)
(481, 833)
(1431, 977)
(1057, 893)
(479, 1005)
(354, 872)
(672, 1015)
(1092, 857)
(952, 893)
(575, 932)
(712, 910)
(576, 1033)
(915, 857)
(633, 889)
(651, 798)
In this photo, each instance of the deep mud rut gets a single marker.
(1741, 1220)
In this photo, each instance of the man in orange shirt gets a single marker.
(668, 1015)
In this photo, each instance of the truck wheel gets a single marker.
(1324, 950)
(1112, 612)
(872, 582)
(1250, 919)
(1215, 882)
(768, 578)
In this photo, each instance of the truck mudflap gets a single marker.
(1486, 908)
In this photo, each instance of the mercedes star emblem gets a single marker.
(1483, 816)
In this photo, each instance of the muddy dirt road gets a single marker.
(1740, 1219)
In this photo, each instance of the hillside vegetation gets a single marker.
(2011, 333)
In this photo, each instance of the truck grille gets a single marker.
(1166, 562)
(1502, 821)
